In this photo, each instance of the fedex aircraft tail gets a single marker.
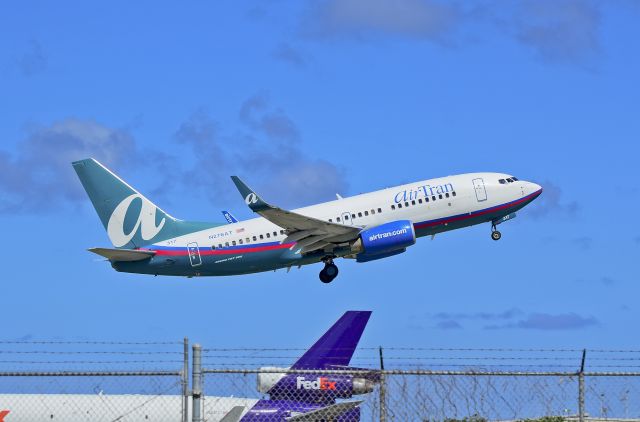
(336, 346)
(332, 352)
(131, 220)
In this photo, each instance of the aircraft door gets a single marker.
(194, 254)
(481, 192)
(346, 218)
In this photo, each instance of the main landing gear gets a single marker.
(495, 234)
(329, 272)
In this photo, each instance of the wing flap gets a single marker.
(327, 413)
(127, 255)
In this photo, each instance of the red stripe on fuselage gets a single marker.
(185, 252)
(476, 213)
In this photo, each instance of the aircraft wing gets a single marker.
(127, 255)
(309, 233)
(328, 413)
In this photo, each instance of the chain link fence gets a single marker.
(418, 395)
(93, 381)
(120, 381)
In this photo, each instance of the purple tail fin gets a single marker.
(336, 346)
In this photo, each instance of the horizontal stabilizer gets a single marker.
(234, 414)
(127, 255)
(328, 413)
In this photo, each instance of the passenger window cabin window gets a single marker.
(213, 247)
(248, 239)
(440, 196)
(281, 231)
(330, 221)
(366, 213)
(413, 202)
(453, 193)
(255, 238)
(268, 235)
(379, 210)
(360, 214)
(261, 237)
(426, 199)
(433, 198)
(446, 194)
(275, 234)
(420, 201)
(399, 205)
(226, 244)
(346, 217)
(406, 204)
(240, 241)
(233, 243)
(353, 216)
(220, 245)
(393, 207)
(338, 219)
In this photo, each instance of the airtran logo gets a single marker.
(3, 413)
(146, 222)
(422, 192)
(252, 198)
(387, 234)
(321, 383)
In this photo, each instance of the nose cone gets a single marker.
(533, 189)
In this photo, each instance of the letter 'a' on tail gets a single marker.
(131, 220)
(336, 346)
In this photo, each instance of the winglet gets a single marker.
(250, 197)
(229, 217)
(234, 414)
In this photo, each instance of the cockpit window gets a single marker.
(515, 179)
(502, 181)
(510, 180)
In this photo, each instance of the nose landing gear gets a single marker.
(495, 234)
(329, 272)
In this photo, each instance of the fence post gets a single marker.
(185, 382)
(196, 384)
(581, 387)
(383, 399)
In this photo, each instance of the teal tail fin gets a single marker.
(131, 220)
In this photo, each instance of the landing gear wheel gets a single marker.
(496, 235)
(329, 272)
(325, 278)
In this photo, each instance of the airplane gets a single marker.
(314, 388)
(363, 227)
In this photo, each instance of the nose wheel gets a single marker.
(329, 272)
(495, 234)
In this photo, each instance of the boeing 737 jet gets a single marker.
(364, 227)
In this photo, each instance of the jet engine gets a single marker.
(312, 385)
(384, 240)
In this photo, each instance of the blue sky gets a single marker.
(306, 99)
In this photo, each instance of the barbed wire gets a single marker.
(115, 343)
(87, 352)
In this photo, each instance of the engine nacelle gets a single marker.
(313, 387)
(384, 240)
